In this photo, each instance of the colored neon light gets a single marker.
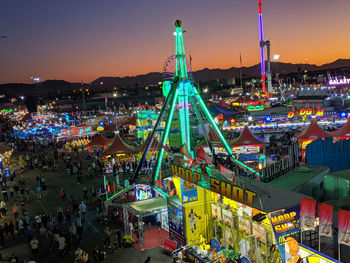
(339, 81)
(262, 45)
(165, 135)
(120, 192)
(255, 108)
(220, 117)
(305, 112)
(212, 122)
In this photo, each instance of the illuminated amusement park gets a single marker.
(180, 172)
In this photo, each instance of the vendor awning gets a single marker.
(312, 132)
(216, 109)
(119, 147)
(246, 138)
(149, 205)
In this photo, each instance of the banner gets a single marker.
(285, 222)
(325, 216)
(188, 192)
(307, 214)
(230, 175)
(195, 222)
(344, 227)
(176, 224)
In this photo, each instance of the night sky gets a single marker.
(80, 40)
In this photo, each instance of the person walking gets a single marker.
(15, 211)
(82, 210)
(34, 244)
(63, 195)
(12, 192)
(4, 193)
(61, 244)
(68, 213)
(60, 215)
(3, 208)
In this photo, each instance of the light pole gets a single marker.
(276, 58)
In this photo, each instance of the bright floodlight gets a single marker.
(276, 57)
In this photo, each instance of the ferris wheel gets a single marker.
(169, 68)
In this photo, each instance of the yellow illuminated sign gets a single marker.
(223, 188)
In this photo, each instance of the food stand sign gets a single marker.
(285, 222)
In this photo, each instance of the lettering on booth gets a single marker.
(283, 223)
(224, 188)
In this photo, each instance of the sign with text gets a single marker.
(188, 192)
(227, 189)
(285, 222)
(176, 223)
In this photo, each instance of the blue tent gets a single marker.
(216, 110)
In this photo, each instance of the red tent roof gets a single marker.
(312, 132)
(100, 140)
(343, 131)
(246, 138)
(131, 121)
(119, 147)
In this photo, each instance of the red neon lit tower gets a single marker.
(262, 50)
(262, 44)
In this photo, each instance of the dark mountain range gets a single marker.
(36, 88)
(203, 75)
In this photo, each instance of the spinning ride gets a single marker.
(182, 96)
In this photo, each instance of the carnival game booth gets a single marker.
(248, 148)
(99, 142)
(311, 133)
(146, 219)
(242, 219)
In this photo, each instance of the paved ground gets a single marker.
(56, 180)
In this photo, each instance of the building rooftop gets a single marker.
(343, 174)
(298, 176)
(340, 204)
